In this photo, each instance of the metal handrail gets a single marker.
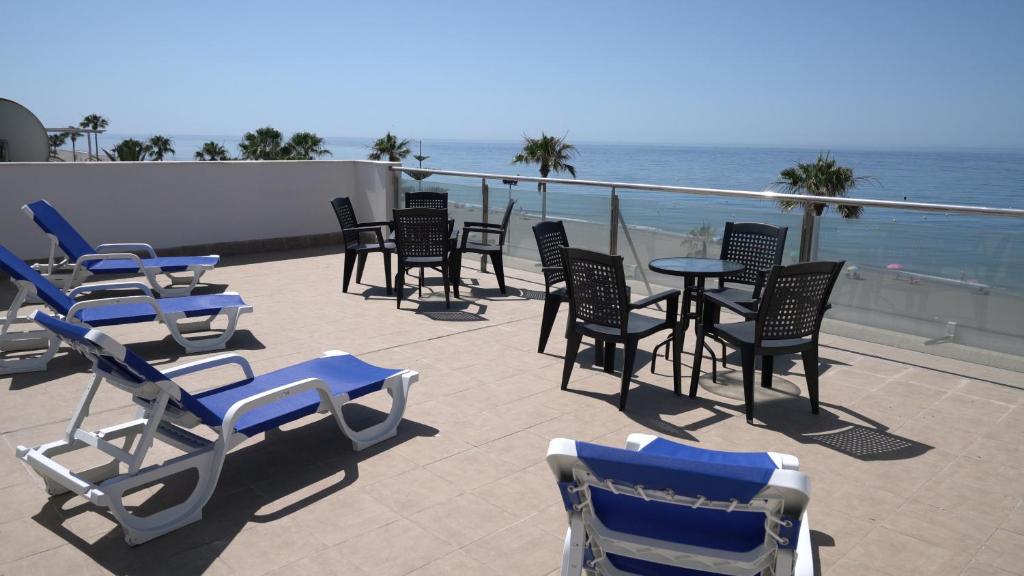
(762, 195)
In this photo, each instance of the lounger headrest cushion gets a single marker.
(50, 294)
(50, 220)
(693, 473)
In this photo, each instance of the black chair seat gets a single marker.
(640, 326)
(480, 247)
(423, 260)
(372, 247)
(742, 333)
(737, 295)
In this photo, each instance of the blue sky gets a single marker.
(870, 74)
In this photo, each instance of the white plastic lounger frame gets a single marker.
(182, 283)
(787, 489)
(178, 324)
(159, 419)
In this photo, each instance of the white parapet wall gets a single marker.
(175, 204)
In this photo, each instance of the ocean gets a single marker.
(980, 249)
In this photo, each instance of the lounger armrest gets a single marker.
(208, 363)
(88, 288)
(100, 302)
(654, 298)
(743, 311)
(239, 408)
(127, 247)
(82, 260)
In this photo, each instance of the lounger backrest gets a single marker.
(711, 505)
(125, 369)
(53, 223)
(17, 269)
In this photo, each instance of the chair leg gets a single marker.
(698, 355)
(677, 360)
(444, 277)
(598, 353)
(572, 347)
(399, 284)
(499, 270)
(766, 371)
(629, 357)
(810, 358)
(387, 272)
(725, 361)
(455, 266)
(748, 357)
(551, 304)
(359, 268)
(609, 357)
(350, 264)
(421, 282)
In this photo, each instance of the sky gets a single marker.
(864, 74)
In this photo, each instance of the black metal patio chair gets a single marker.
(551, 238)
(599, 308)
(422, 240)
(483, 247)
(787, 321)
(355, 235)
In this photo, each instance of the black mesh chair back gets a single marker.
(346, 219)
(421, 232)
(551, 239)
(795, 299)
(757, 246)
(436, 200)
(597, 288)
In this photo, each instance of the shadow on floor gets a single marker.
(781, 409)
(254, 477)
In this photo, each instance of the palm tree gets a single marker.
(74, 138)
(823, 177)
(94, 122)
(264, 144)
(128, 150)
(552, 154)
(304, 146)
(389, 148)
(212, 151)
(56, 141)
(159, 146)
(705, 233)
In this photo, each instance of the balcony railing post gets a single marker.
(613, 231)
(486, 201)
(543, 201)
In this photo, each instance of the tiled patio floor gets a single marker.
(916, 463)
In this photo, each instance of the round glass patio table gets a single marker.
(695, 272)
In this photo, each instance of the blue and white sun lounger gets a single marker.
(234, 412)
(182, 315)
(662, 508)
(112, 259)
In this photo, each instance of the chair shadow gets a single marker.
(818, 540)
(836, 427)
(285, 461)
(166, 350)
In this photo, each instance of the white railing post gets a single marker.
(486, 197)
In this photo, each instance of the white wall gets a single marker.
(172, 204)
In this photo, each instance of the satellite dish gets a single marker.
(22, 135)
